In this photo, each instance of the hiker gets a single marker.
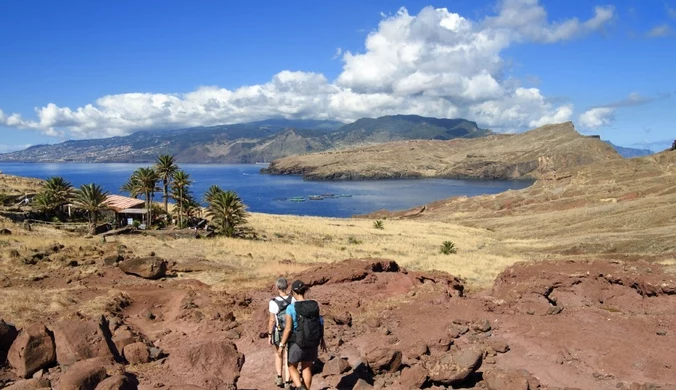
(304, 333)
(277, 308)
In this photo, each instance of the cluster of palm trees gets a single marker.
(225, 208)
(175, 184)
(58, 192)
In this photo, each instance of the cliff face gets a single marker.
(528, 155)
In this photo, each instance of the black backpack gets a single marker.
(310, 329)
(281, 318)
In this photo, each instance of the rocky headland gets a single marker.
(529, 155)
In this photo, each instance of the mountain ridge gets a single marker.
(527, 155)
(248, 142)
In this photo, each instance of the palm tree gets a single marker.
(91, 198)
(44, 201)
(165, 168)
(213, 190)
(56, 192)
(181, 192)
(227, 212)
(143, 182)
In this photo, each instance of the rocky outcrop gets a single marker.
(30, 384)
(32, 350)
(145, 267)
(528, 155)
(118, 382)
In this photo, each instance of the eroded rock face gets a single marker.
(209, 364)
(145, 267)
(76, 340)
(84, 375)
(454, 367)
(32, 350)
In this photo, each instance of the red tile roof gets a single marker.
(119, 202)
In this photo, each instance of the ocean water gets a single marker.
(269, 194)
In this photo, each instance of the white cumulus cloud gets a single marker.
(436, 63)
(597, 117)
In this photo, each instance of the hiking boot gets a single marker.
(279, 382)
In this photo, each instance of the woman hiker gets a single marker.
(304, 334)
(277, 308)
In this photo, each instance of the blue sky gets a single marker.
(82, 69)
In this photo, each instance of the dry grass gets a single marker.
(293, 243)
(22, 305)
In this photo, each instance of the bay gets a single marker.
(270, 194)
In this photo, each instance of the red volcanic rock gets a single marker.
(382, 359)
(118, 382)
(84, 375)
(136, 353)
(510, 380)
(212, 364)
(454, 367)
(413, 377)
(77, 340)
(30, 384)
(145, 267)
(32, 350)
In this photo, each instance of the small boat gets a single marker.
(345, 195)
(315, 197)
(328, 195)
(297, 199)
(281, 199)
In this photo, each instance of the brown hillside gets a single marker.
(616, 207)
(528, 155)
(16, 185)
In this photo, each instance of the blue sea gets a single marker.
(270, 194)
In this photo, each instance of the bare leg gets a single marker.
(307, 374)
(278, 361)
(294, 374)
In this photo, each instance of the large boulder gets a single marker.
(77, 340)
(136, 353)
(32, 350)
(145, 267)
(212, 364)
(30, 384)
(8, 334)
(336, 366)
(84, 375)
(118, 382)
(453, 368)
(383, 359)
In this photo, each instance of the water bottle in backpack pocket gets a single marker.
(310, 330)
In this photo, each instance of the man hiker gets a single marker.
(277, 307)
(304, 333)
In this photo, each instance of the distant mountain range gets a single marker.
(261, 141)
(631, 152)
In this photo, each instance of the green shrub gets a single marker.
(353, 240)
(448, 247)
(136, 223)
(378, 224)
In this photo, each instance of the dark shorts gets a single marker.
(298, 354)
